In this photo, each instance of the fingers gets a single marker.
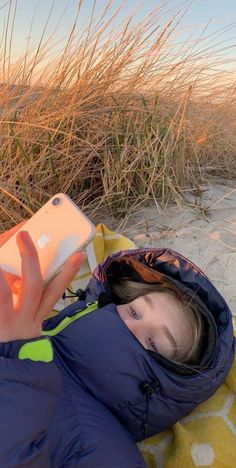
(29, 295)
(57, 286)
(6, 298)
(11, 280)
(8, 234)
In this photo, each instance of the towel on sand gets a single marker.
(206, 437)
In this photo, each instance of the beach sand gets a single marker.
(206, 233)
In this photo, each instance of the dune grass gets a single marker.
(123, 114)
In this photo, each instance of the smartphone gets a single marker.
(58, 229)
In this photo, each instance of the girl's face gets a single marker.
(158, 323)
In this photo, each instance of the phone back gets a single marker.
(58, 229)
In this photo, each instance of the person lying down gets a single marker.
(148, 340)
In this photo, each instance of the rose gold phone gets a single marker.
(58, 229)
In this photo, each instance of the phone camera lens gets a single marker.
(56, 201)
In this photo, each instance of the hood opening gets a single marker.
(148, 268)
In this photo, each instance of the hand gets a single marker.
(34, 304)
(10, 277)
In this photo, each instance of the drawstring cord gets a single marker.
(79, 293)
(104, 297)
(148, 388)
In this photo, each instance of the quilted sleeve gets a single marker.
(30, 386)
(104, 441)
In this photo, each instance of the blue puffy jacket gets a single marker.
(86, 391)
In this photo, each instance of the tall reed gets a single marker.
(124, 113)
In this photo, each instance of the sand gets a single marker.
(205, 234)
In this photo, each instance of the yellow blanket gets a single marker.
(207, 437)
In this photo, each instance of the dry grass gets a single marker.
(121, 115)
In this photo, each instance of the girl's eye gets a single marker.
(133, 313)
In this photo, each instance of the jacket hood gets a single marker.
(146, 392)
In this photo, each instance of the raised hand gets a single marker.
(34, 302)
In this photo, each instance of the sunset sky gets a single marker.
(31, 17)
